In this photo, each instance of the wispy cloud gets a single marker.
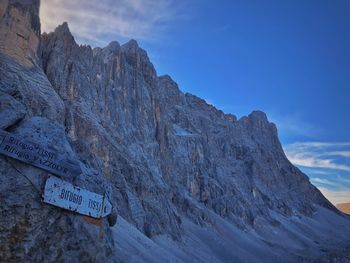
(321, 181)
(318, 154)
(315, 171)
(99, 22)
(341, 153)
(327, 164)
(342, 179)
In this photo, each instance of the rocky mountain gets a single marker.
(189, 182)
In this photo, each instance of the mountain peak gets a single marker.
(131, 44)
(64, 26)
(63, 30)
(258, 116)
(113, 45)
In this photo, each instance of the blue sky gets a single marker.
(290, 59)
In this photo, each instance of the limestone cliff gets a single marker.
(179, 172)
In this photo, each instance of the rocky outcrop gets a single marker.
(172, 165)
(31, 109)
(20, 62)
(11, 111)
(20, 31)
(27, 224)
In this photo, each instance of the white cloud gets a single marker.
(341, 153)
(99, 22)
(336, 196)
(308, 145)
(318, 154)
(343, 179)
(325, 182)
(316, 171)
(327, 159)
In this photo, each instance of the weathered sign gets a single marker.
(65, 195)
(36, 155)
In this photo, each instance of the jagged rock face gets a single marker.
(177, 150)
(20, 30)
(163, 157)
(21, 74)
(30, 108)
(28, 225)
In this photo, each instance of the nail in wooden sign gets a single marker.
(36, 155)
(65, 195)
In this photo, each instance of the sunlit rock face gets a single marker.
(20, 31)
(172, 165)
(20, 61)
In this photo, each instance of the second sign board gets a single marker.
(37, 155)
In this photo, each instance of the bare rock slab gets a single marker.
(11, 111)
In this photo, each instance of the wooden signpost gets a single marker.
(36, 155)
(65, 195)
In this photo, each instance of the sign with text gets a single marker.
(36, 155)
(65, 195)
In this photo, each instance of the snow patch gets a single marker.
(179, 131)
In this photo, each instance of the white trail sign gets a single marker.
(65, 195)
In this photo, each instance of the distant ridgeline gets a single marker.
(344, 207)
